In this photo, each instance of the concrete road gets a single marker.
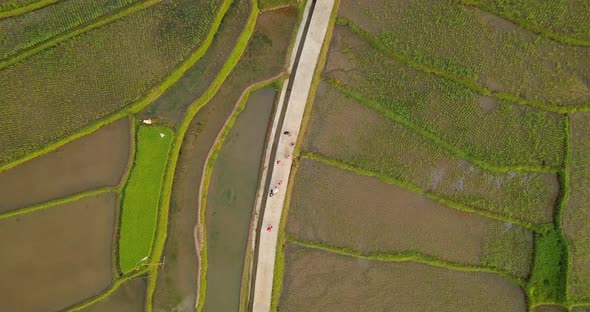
(305, 64)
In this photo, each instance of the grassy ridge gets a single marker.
(141, 196)
(16, 7)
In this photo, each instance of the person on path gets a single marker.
(287, 133)
(269, 228)
(273, 191)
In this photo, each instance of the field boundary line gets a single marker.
(546, 33)
(229, 65)
(414, 188)
(61, 37)
(137, 106)
(27, 8)
(375, 105)
(379, 46)
(279, 265)
(239, 106)
(410, 256)
(59, 201)
(115, 285)
(566, 183)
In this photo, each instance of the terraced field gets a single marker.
(442, 164)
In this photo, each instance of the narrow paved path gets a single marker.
(305, 64)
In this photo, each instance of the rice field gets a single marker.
(129, 297)
(63, 89)
(484, 128)
(94, 161)
(355, 135)
(316, 280)
(342, 209)
(562, 17)
(25, 31)
(56, 257)
(478, 48)
(577, 210)
(141, 197)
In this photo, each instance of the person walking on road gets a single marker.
(274, 191)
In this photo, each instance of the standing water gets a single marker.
(230, 200)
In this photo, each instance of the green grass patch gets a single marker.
(548, 279)
(141, 196)
(9, 8)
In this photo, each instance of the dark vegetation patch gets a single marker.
(96, 160)
(56, 257)
(60, 91)
(316, 280)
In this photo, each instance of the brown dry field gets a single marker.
(264, 58)
(316, 280)
(58, 256)
(340, 208)
(577, 210)
(549, 308)
(581, 309)
(129, 297)
(96, 160)
(341, 128)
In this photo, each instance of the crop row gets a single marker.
(356, 135)
(577, 211)
(563, 20)
(477, 47)
(23, 31)
(63, 89)
(498, 132)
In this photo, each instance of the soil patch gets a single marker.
(129, 297)
(62, 255)
(321, 281)
(96, 160)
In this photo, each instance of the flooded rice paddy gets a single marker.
(230, 201)
(316, 280)
(129, 297)
(96, 160)
(56, 257)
